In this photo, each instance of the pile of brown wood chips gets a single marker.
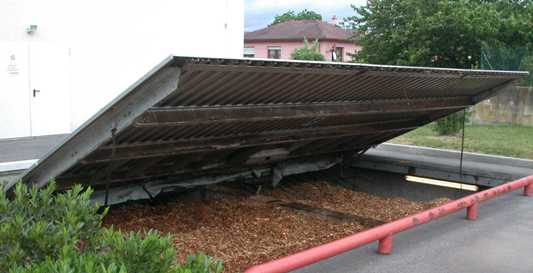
(244, 229)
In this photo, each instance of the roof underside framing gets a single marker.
(193, 117)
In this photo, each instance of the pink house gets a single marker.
(280, 40)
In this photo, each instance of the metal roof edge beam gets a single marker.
(321, 67)
(115, 117)
(169, 116)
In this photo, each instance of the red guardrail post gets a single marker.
(385, 232)
(385, 245)
(471, 212)
(528, 190)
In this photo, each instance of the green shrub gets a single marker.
(451, 124)
(70, 261)
(36, 224)
(201, 263)
(146, 253)
(42, 232)
(309, 53)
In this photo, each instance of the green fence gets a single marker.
(509, 59)
(513, 107)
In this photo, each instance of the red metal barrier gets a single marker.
(384, 233)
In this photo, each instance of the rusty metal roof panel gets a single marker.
(190, 117)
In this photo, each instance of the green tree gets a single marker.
(291, 15)
(308, 52)
(439, 33)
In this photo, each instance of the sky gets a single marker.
(260, 13)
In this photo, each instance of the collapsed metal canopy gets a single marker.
(198, 117)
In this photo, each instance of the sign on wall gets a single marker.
(12, 67)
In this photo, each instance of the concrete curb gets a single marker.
(16, 165)
(478, 169)
(454, 154)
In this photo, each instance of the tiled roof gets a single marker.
(298, 29)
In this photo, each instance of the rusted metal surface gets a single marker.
(384, 233)
(191, 117)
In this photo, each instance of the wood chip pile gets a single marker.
(243, 229)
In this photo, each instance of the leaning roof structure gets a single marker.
(192, 121)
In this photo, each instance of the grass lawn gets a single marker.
(507, 140)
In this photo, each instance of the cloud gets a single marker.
(323, 5)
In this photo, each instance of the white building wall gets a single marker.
(84, 53)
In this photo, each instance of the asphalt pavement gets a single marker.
(28, 147)
(480, 169)
(501, 240)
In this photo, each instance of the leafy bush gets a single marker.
(309, 53)
(451, 124)
(62, 233)
(70, 261)
(36, 224)
(146, 253)
(201, 263)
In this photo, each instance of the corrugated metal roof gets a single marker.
(192, 117)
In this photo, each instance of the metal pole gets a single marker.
(462, 144)
(110, 167)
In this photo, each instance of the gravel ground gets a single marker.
(243, 229)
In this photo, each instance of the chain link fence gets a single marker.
(514, 107)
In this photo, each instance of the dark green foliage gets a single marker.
(291, 15)
(42, 232)
(441, 33)
(450, 124)
(509, 59)
(201, 263)
(308, 52)
(37, 224)
(146, 253)
(70, 261)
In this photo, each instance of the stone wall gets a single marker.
(512, 107)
